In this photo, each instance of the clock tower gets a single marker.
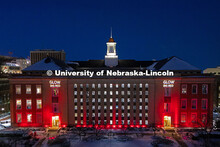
(111, 58)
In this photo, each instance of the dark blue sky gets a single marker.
(143, 29)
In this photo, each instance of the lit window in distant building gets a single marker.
(29, 117)
(184, 89)
(28, 104)
(194, 104)
(183, 104)
(146, 85)
(38, 89)
(204, 89)
(18, 104)
(39, 104)
(28, 89)
(204, 103)
(19, 118)
(55, 92)
(194, 89)
(183, 118)
(167, 91)
(193, 117)
(18, 89)
(111, 85)
(166, 107)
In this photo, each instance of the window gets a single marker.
(19, 118)
(183, 118)
(204, 103)
(28, 89)
(29, 117)
(166, 107)
(193, 117)
(28, 104)
(54, 99)
(194, 104)
(184, 89)
(39, 104)
(18, 104)
(167, 91)
(194, 89)
(38, 89)
(183, 104)
(204, 89)
(55, 91)
(204, 118)
(55, 108)
(18, 89)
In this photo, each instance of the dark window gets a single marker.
(194, 104)
(183, 104)
(194, 89)
(204, 89)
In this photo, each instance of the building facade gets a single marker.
(182, 100)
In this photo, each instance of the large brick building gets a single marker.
(182, 100)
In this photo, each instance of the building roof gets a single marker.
(172, 63)
(48, 63)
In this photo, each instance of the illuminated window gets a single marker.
(146, 85)
(204, 118)
(116, 85)
(146, 92)
(39, 104)
(18, 104)
(122, 85)
(28, 89)
(193, 117)
(183, 118)
(122, 92)
(116, 92)
(93, 85)
(93, 92)
(204, 89)
(166, 107)
(38, 89)
(55, 92)
(75, 107)
(122, 99)
(99, 85)
(194, 104)
(75, 92)
(167, 91)
(140, 92)
(105, 85)
(140, 85)
(18, 89)
(111, 85)
(105, 100)
(146, 122)
(111, 100)
(184, 89)
(111, 92)
(81, 86)
(28, 104)
(128, 85)
(29, 117)
(194, 89)
(146, 107)
(140, 100)
(19, 118)
(105, 92)
(204, 103)
(183, 104)
(75, 85)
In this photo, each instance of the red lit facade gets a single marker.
(43, 101)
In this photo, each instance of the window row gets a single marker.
(195, 89)
(28, 118)
(128, 85)
(194, 118)
(111, 114)
(204, 104)
(111, 107)
(28, 104)
(110, 92)
(111, 100)
(28, 89)
(123, 122)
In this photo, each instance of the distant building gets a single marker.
(4, 95)
(38, 55)
(182, 100)
(216, 72)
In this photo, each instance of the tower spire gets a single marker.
(111, 33)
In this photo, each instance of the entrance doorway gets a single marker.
(55, 121)
(167, 121)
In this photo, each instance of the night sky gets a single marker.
(143, 30)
